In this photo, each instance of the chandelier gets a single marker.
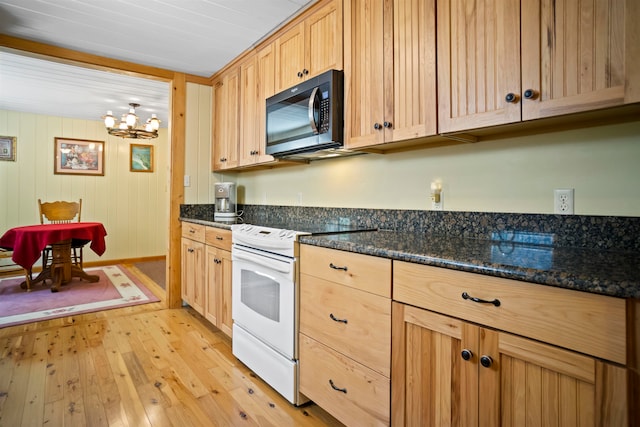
(128, 126)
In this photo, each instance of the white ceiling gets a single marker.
(192, 36)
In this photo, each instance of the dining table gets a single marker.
(27, 243)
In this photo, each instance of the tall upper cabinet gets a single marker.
(257, 84)
(310, 47)
(390, 71)
(226, 87)
(503, 61)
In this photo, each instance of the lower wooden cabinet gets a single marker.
(450, 372)
(345, 334)
(206, 273)
(192, 268)
(349, 390)
(218, 289)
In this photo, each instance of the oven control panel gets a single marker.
(265, 238)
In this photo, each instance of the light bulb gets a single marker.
(154, 122)
(132, 119)
(109, 120)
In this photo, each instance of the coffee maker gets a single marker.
(225, 198)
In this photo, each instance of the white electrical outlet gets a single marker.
(563, 201)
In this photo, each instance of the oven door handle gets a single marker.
(270, 263)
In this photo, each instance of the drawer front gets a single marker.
(588, 323)
(193, 231)
(218, 237)
(353, 322)
(369, 273)
(360, 397)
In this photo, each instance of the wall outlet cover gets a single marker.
(563, 201)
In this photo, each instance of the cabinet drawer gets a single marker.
(365, 395)
(218, 237)
(193, 231)
(369, 273)
(353, 322)
(588, 323)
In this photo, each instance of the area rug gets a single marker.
(116, 288)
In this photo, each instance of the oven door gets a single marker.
(263, 297)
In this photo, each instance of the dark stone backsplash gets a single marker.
(578, 231)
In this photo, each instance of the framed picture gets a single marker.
(8, 148)
(140, 158)
(78, 157)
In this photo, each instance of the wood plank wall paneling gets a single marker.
(132, 206)
(198, 144)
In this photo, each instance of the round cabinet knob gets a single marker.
(530, 94)
(511, 97)
(305, 71)
(387, 124)
(377, 126)
(466, 354)
(300, 74)
(486, 361)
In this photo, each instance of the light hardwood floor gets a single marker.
(136, 366)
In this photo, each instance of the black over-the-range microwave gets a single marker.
(306, 118)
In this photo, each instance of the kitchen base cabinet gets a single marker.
(350, 391)
(206, 273)
(475, 350)
(192, 267)
(345, 334)
(450, 372)
(218, 279)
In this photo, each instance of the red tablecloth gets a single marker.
(29, 241)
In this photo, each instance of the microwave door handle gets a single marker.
(312, 120)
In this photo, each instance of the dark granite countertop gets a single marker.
(613, 273)
(586, 253)
(218, 224)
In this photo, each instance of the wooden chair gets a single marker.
(6, 264)
(58, 213)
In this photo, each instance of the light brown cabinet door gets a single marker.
(257, 83)
(226, 114)
(390, 69)
(213, 296)
(266, 62)
(449, 372)
(577, 56)
(478, 63)
(218, 289)
(413, 110)
(430, 384)
(193, 274)
(248, 111)
(324, 39)
(290, 58)
(364, 86)
(310, 48)
(225, 267)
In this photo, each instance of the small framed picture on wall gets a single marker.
(140, 158)
(8, 148)
(78, 157)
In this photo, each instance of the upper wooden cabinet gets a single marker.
(226, 110)
(390, 81)
(257, 81)
(500, 62)
(310, 47)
